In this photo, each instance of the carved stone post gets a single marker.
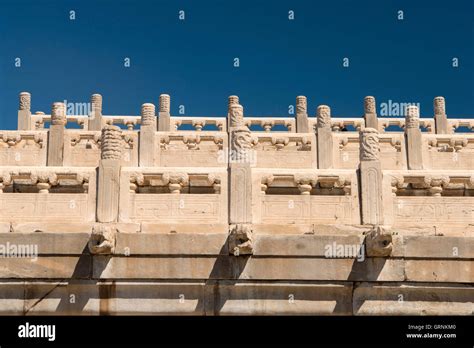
(95, 119)
(302, 125)
(109, 174)
(146, 149)
(370, 113)
(413, 138)
(24, 111)
(164, 115)
(56, 134)
(324, 137)
(239, 166)
(370, 172)
(441, 120)
(233, 100)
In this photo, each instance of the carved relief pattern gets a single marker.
(369, 145)
(25, 101)
(148, 115)
(324, 116)
(301, 105)
(412, 119)
(369, 105)
(58, 114)
(236, 115)
(439, 106)
(111, 142)
(165, 102)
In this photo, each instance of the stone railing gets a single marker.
(49, 194)
(301, 123)
(237, 215)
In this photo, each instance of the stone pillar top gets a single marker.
(96, 101)
(369, 105)
(236, 115)
(412, 118)
(148, 117)
(323, 114)
(439, 105)
(301, 104)
(58, 114)
(25, 101)
(165, 103)
(111, 142)
(369, 145)
(233, 99)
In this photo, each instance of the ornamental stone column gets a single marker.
(240, 167)
(324, 137)
(109, 174)
(56, 135)
(370, 173)
(440, 117)
(302, 122)
(95, 119)
(147, 136)
(413, 138)
(164, 115)
(24, 111)
(370, 113)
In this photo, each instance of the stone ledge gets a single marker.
(413, 299)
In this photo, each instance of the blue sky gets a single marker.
(192, 60)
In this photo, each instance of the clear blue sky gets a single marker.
(192, 60)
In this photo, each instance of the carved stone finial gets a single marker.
(58, 114)
(324, 116)
(111, 142)
(439, 105)
(96, 102)
(233, 99)
(378, 242)
(241, 240)
(165, 103)
(369, 145)
(102, 240)
(236, 115)
(301, 104)
(412, 118)
(369, 105)
(148, 115)
(25, 101)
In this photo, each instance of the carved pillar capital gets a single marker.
(25, 101)
(369, 145)
(58, 114)
(323, 116)
(148, 117)
(111, 143)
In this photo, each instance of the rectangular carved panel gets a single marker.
(33, 207)
(433, 210)
(293, 209)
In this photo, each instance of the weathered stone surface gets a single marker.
(171, 244)
(62, 298)
(461, 271)
(44, 267)
(283, 298)
(47, 243)
(413, 299)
